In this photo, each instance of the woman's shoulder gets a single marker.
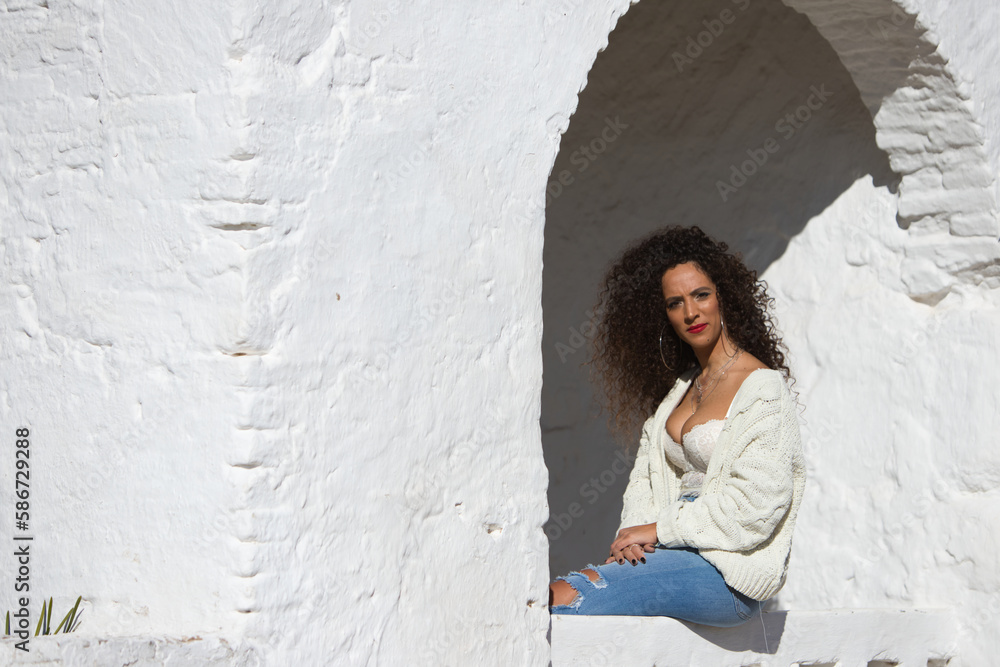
(762, 383)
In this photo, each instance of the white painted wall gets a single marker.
(271, 308)
(120, 303)
(272, 285)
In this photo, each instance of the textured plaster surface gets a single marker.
(150, 650)
(121, 301)
(272, 303)
(272, 313)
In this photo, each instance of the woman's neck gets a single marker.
(719, 355)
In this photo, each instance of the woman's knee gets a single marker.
(561, 593)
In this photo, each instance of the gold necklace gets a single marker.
(713, 381)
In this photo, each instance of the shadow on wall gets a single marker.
(735, 115)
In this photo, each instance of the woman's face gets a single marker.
(692, 305)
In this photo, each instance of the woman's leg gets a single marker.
(672, 582)
(562, 593)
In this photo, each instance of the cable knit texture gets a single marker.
(742, 522)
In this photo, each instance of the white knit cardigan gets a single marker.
(743, 519)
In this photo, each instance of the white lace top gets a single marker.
(693, 456)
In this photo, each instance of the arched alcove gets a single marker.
(924, 123)
(750, 120)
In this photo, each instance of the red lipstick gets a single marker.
(698, 328)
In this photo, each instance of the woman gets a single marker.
(711, 502)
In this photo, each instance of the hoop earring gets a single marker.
(725, 334)
(663, 358)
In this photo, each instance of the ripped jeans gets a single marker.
(674, 582)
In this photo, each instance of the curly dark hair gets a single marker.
(632, 315)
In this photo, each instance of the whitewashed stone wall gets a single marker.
(122, 307)
(271, 309)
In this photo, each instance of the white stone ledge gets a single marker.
(81, 651)
(841, 638)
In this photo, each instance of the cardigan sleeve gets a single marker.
(637, 502)
(742, 505)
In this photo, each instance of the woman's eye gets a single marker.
(704, 295)
(672, 304)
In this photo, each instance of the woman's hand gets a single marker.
(632, 543)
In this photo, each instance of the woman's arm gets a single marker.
(638, 508)
(637, 503)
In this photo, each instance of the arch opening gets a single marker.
(750, 120)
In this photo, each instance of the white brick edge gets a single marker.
(78, 651)
(846, 638)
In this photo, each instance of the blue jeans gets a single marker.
(675, 582)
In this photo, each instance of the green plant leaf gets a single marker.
(76, 622)
(62, 623)
(41, 618)
(76, 606)
(67, 623)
